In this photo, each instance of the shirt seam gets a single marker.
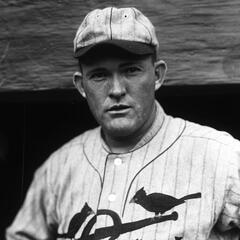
(207, 138)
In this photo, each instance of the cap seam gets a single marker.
(111, 23)
(81, 31)
(143, 25)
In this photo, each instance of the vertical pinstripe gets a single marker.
(213, 214)
(138, 186)
(202, 175)
(176, 181)
(188, 185)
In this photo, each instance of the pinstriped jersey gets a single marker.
(181, 181)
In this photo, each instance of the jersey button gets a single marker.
(111, 197)
(117, 161)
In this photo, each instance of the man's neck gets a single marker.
(121, 145)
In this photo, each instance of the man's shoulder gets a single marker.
(203, 132)
(81, 139)
(71, 150)
(77, 143)
(200, 132)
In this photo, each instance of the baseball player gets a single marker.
(140, 175)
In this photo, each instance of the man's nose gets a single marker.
(117, 87)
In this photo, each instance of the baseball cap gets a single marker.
(126, 28)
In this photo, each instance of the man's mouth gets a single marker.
(119, 108)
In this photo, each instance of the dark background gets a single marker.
(34, 124)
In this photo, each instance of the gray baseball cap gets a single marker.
(126, 28)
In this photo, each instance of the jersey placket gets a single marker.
(112, 197)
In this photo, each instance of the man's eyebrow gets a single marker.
(125, 64)
(97, 69)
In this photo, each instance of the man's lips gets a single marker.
(118, 108)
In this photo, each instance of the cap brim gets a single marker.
(132, 47)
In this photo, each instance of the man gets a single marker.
(142, 174)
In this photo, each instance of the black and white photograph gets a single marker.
(119, 120)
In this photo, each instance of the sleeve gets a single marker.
(230, 215)
(36, 219)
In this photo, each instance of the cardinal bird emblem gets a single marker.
(159, 203)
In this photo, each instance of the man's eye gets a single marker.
(98, 76)
(132, 70)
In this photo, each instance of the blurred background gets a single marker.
(40, 110)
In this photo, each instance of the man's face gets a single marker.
(120, 92)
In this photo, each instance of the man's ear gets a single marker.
(160, 72)
(78, 82)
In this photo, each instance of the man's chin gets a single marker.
(119, 131)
